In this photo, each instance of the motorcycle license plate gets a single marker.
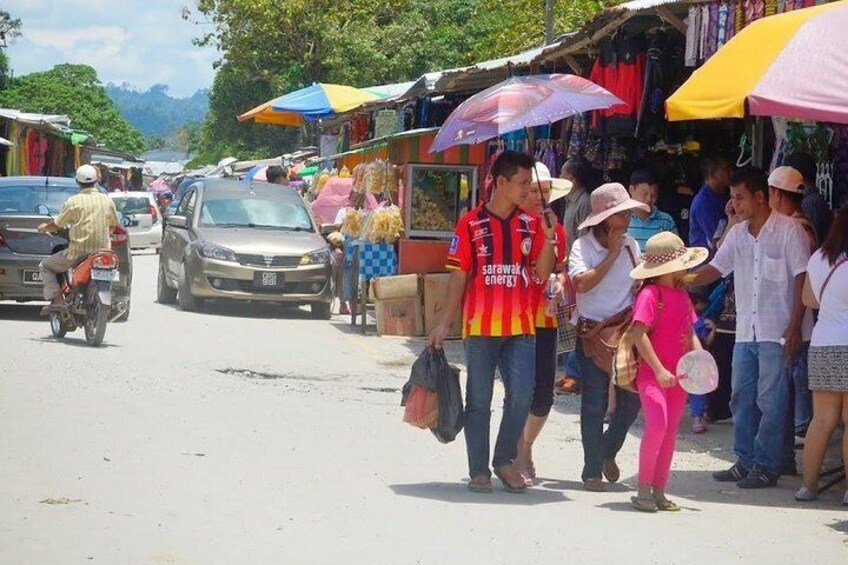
(105, 275)
(32, 276)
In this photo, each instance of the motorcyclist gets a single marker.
(91, 217)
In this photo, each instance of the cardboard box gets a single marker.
(400, 316)
(435, 296)
(390, 288)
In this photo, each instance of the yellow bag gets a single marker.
(626, 362)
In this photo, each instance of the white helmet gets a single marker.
(86, 175)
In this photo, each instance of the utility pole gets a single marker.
(549, 21)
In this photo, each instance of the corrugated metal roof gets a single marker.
(35, 119)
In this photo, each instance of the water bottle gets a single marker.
(550, 293)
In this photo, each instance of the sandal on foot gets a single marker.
(647, 505)
(594, 485)
(531, 470)
(667, 506)
(480, 485)
(514, 484)
(805, 495)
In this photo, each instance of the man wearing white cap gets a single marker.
(786, 194)
(91, 217)
(768, 254)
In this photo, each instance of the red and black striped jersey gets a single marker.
(499, 255)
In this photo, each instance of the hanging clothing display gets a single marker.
(620, 68)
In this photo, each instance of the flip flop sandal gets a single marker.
(509, 486)
(644, 504)
(667, 506)
(483, 486)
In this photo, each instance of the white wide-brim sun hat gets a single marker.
(666, 253)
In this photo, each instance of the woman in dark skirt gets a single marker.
(826, 288)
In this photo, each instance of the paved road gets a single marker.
(262, 436)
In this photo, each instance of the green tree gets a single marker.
(76, 91)
(520, 25)
(10, 28)
(233, 92)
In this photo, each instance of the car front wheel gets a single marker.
(187, 300)
(321, 310)
(164, 293)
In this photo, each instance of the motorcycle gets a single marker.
(87, 290)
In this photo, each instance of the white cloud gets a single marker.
(133, 41)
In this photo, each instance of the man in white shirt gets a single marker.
(768, 254)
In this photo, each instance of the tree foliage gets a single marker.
(233, 92)
(277, 46)
(10, 28)
(520, 24)
(76, 91)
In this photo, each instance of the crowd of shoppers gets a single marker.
(770, 304)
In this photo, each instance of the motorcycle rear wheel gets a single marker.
(57, 327)
(96, 318)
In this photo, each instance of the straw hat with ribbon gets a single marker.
(608, 200)
(559, 187)
(666, 253)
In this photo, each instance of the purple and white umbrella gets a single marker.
(518, 103)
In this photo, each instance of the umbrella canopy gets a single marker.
(793, 65)
(518, 103)
(335, 196)
(311, 103)
(159, 186)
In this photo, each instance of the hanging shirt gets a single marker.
(499, 255)
(764, 269)
(693, 34)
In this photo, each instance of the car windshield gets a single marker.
(25, 199)
(132, 205)
(255, 213)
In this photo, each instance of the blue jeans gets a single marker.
(516, 358)
(569, 365)
(759, 404)
(597, 444)
(803, 396)
(698, 405)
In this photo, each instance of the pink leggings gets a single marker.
(663, 409)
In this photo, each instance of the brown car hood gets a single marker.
(253, 240)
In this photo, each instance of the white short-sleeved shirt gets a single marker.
(615, 292)
(832, 327)
(765, 268)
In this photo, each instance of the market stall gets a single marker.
(39, 144)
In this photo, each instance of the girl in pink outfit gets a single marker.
(663, 319)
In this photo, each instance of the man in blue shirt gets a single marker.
(707, 216)
(644, 225)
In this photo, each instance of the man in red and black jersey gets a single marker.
(496, 251)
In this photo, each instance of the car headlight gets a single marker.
(210, 251)
(319, 257)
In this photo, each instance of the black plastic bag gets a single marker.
(432, 371)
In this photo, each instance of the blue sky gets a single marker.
(137, 42)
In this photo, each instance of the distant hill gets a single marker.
(154, 112)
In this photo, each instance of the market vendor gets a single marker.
(495, 252)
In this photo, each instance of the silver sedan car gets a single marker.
(240, 241)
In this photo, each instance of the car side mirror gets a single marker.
(178, 221)
(42, 210)
(328, 229)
